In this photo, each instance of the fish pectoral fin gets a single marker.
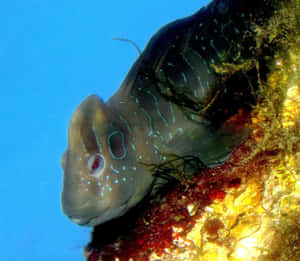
(212, 147)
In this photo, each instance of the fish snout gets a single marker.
(84, 213)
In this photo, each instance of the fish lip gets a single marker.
(126, 202)
(91, 221)
(87, 221)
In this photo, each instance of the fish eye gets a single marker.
(95, 164)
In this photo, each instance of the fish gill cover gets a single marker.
(248, 207)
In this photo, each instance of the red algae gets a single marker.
(235, 183)
(217, 194)
(164, 222)
(212, 226)
(156, 229)
(92, 256)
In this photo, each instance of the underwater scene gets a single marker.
(150, 131)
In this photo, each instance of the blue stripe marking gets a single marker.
(150, 121)
(184, 77)
(172, 112)
(157, 108)
(189, 63)
(129, 130)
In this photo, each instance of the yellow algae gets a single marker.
(211, 252)
(195, 235)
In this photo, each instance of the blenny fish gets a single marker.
(173, 102)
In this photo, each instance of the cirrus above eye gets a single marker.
(95, 164)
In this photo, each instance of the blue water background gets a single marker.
(53, 53)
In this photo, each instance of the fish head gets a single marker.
(100, 177)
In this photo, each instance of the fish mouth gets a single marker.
(84, 222)
(85, 214)
(106, 215)
(88, 221)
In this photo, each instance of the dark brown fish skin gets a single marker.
(192, 76)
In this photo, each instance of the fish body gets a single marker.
(172, 102)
